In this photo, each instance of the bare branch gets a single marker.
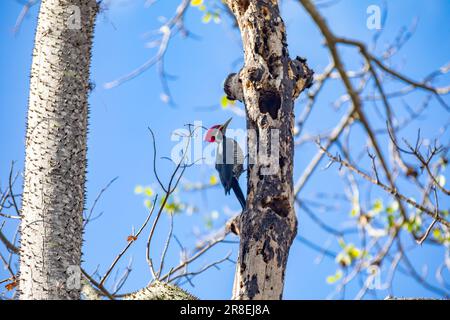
(388, 189)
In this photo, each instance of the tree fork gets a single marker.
(268, 84)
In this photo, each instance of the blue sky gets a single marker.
(120, 145)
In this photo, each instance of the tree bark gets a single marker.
(160, 291)
(268, 84)
(55, 162)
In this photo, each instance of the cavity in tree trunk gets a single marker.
(55, 164)
(268, 84)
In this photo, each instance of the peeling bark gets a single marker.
(55, 164)
(267, 84)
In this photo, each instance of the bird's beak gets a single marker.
(225, 125)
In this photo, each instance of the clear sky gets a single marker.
(120, 145)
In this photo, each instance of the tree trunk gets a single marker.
(55, 164)
(268, 84)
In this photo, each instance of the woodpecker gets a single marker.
(229, 160)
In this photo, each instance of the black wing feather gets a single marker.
(225, 175)
(228, 176)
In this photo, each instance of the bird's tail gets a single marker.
(238, 192)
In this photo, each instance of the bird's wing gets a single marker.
(224, 166)
(225, 175)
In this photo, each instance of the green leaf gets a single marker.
(196, 3)
(207, 17)
(224, 101)
(391, 220)
(173, 207)
(413, 224)
(377, 206)
(437, 234)
(393, 207)
(147, 203)
(216, 18)
(348, 254)
(354, 253)
(354, 212)
(163, 198)
(213, 180)
(148, 191)
(356, 208)
(335, 277)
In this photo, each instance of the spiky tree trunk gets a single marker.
(268, 84)
(55, 164)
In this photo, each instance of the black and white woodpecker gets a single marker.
(229, 160)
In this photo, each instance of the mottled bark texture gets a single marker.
(268, 84)
(160, 291)
(55, 164)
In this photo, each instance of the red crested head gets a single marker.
(215, 133)
(212, 133)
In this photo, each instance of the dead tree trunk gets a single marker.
(268, 84)
(55, 164)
